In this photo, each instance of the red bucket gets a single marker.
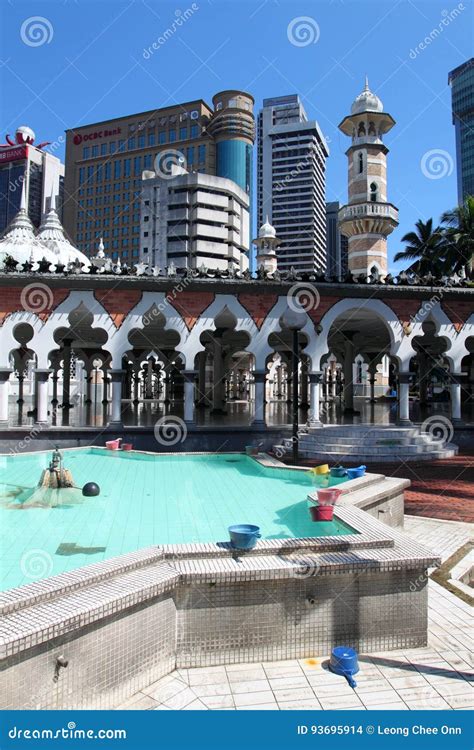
(321, 512)
(127, 446)
(328, 496)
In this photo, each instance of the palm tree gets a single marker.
(425, 247)
(459, 236)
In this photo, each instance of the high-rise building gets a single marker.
(291, 168)
(193, 219)
(40, 172)
(461, 80)
(337, 244)
(368, 218)
(105, 161)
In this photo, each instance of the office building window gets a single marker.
(194, 131)
(107, 172)
(131, 143)
(126, 167)
(201, 153)
(151, 139)
(183, 134)
(112, 147)
(137, 165)
(95, 150)
(172, 136)
(141, 141)
(81, 174)
(86, 152)
(121, 145)
(162, 138)
(147, 161)
(135, 252)
(103, 149)
(190, 155)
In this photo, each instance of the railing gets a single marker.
(369, 208)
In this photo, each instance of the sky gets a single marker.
(85, 61)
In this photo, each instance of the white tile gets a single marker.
(254, 699)
(252, 686)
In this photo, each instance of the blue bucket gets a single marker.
(358, 471)
(244, 535)
(344, 662)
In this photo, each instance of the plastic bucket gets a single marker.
(338, 471)
(343, 661)
(251, 450)
(328, 496)
(323, 469)
(322, 512)
(358, 471)
(244, 535)
(112, 445)
(127, 446)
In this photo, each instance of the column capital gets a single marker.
(5, 373)
(315, 377)
(116, 374)
(404, 377)
(42, 373)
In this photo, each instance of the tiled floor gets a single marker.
(439, 676)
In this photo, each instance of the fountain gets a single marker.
(56, 477)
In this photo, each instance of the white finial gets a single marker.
(52, 203)
(100, 252)
(366, 87)
(23, 197)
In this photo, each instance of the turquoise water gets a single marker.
(144, 500)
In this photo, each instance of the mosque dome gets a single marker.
(20, 243)
(367, 101)
(266, 231)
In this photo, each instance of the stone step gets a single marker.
(369, 450)
(382, 441)
(372, 430)
(356, 459)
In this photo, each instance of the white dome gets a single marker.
(367, 101)
(24, 134)
(266, 231)
(51, 234)
(20, 243)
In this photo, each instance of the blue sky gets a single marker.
(92, 67)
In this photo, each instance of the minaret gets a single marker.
(368, 218)
(266, 243)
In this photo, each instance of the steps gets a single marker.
(365, 443)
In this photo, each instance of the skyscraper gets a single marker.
(41, 173)
(105, 161)
(336, 260)
(461, 80)
(291, 168)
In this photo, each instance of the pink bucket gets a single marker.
(329, 496)
(127, 446)
(321, 512)
(113, 445)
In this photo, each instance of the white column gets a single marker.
(189, 376)
(4, 393)
(314, 392)
(403, 397)
(42, 377)
(455, 389)
(259, 418)
(116, 418)
(348, 375)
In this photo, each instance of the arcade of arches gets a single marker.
(96, 358)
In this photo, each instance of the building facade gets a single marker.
(337, 244)
(41, 174)
(461, 80)
(193, 220)
(291, 168)
(105, 161)
(368, 218)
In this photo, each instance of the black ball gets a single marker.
(91, 489)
